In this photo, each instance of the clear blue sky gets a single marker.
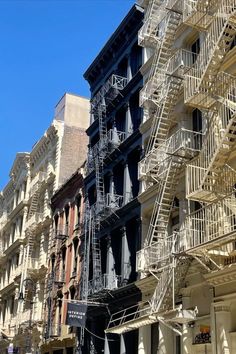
(45, 47)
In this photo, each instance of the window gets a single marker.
(122, 68)
(177, 345)
(78, 210)
(12, 304)
(195, 49)
(136, 111)
(75, 246)
(197, 127)
(135, 59)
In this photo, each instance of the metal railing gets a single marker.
(60, 277)
(104, 282)
(115, 81)
(105, 146)
(55, 330)
(181, 143)
(178, 65)
(61, 232)
(199, 13)
(114, 201)
(148, 34)
(157, 254)
(180, 62)
(218, 139)
(131, 313)
(116, 137)
(199, 90)
(213, 222)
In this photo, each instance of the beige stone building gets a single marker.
(187, 261)
(26, 223)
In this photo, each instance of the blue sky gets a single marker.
(45, 47)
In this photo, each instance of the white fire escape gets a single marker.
(209, 177)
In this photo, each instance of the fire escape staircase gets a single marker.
(201, 79)
(148, 34)
(209, 177)
(161, 306)
(199, 13)
(163, 203)
(95, 214)
(160, 92)
(149, 95)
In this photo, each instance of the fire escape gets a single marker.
(209, 177)
(106, 204)
(55, 281)
(164, 159)
(210, 231)
(30, 265)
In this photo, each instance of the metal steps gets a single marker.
(200, 80)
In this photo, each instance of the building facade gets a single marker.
(187, 260)
(64, 269)
(112, 224)
(26, 222)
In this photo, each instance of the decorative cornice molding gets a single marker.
(226, 275)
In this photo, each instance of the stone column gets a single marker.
(12, 233)
(110, 266)
(223, 329)
(111, 185)
(145, 226)
(127, 185)
(22, 192)
(24, 218)
(144, 345)
(187, 337)
(166, 340)
(14, 199)
(183, 208)
(50, 163)
(122, 345)
(42, 249)
(125, 257)
(129, 72)
(106, 346)
(128, 122)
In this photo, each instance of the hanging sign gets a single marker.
(76, 314)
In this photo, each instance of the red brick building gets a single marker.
(64, 264)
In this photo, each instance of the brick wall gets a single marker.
(74, 151)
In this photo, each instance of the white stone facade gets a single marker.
(25, 222)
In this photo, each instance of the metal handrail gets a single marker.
(104, 282)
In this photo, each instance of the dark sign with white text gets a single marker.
(76, 315)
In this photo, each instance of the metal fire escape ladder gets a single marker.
(163, 203)
(96, 251)
(162, 120)
(149, 94)
(161, 91)
(86, 251)
(29, 248)
(95, 214)
(147, 34)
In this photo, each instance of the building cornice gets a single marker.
(220, 277)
